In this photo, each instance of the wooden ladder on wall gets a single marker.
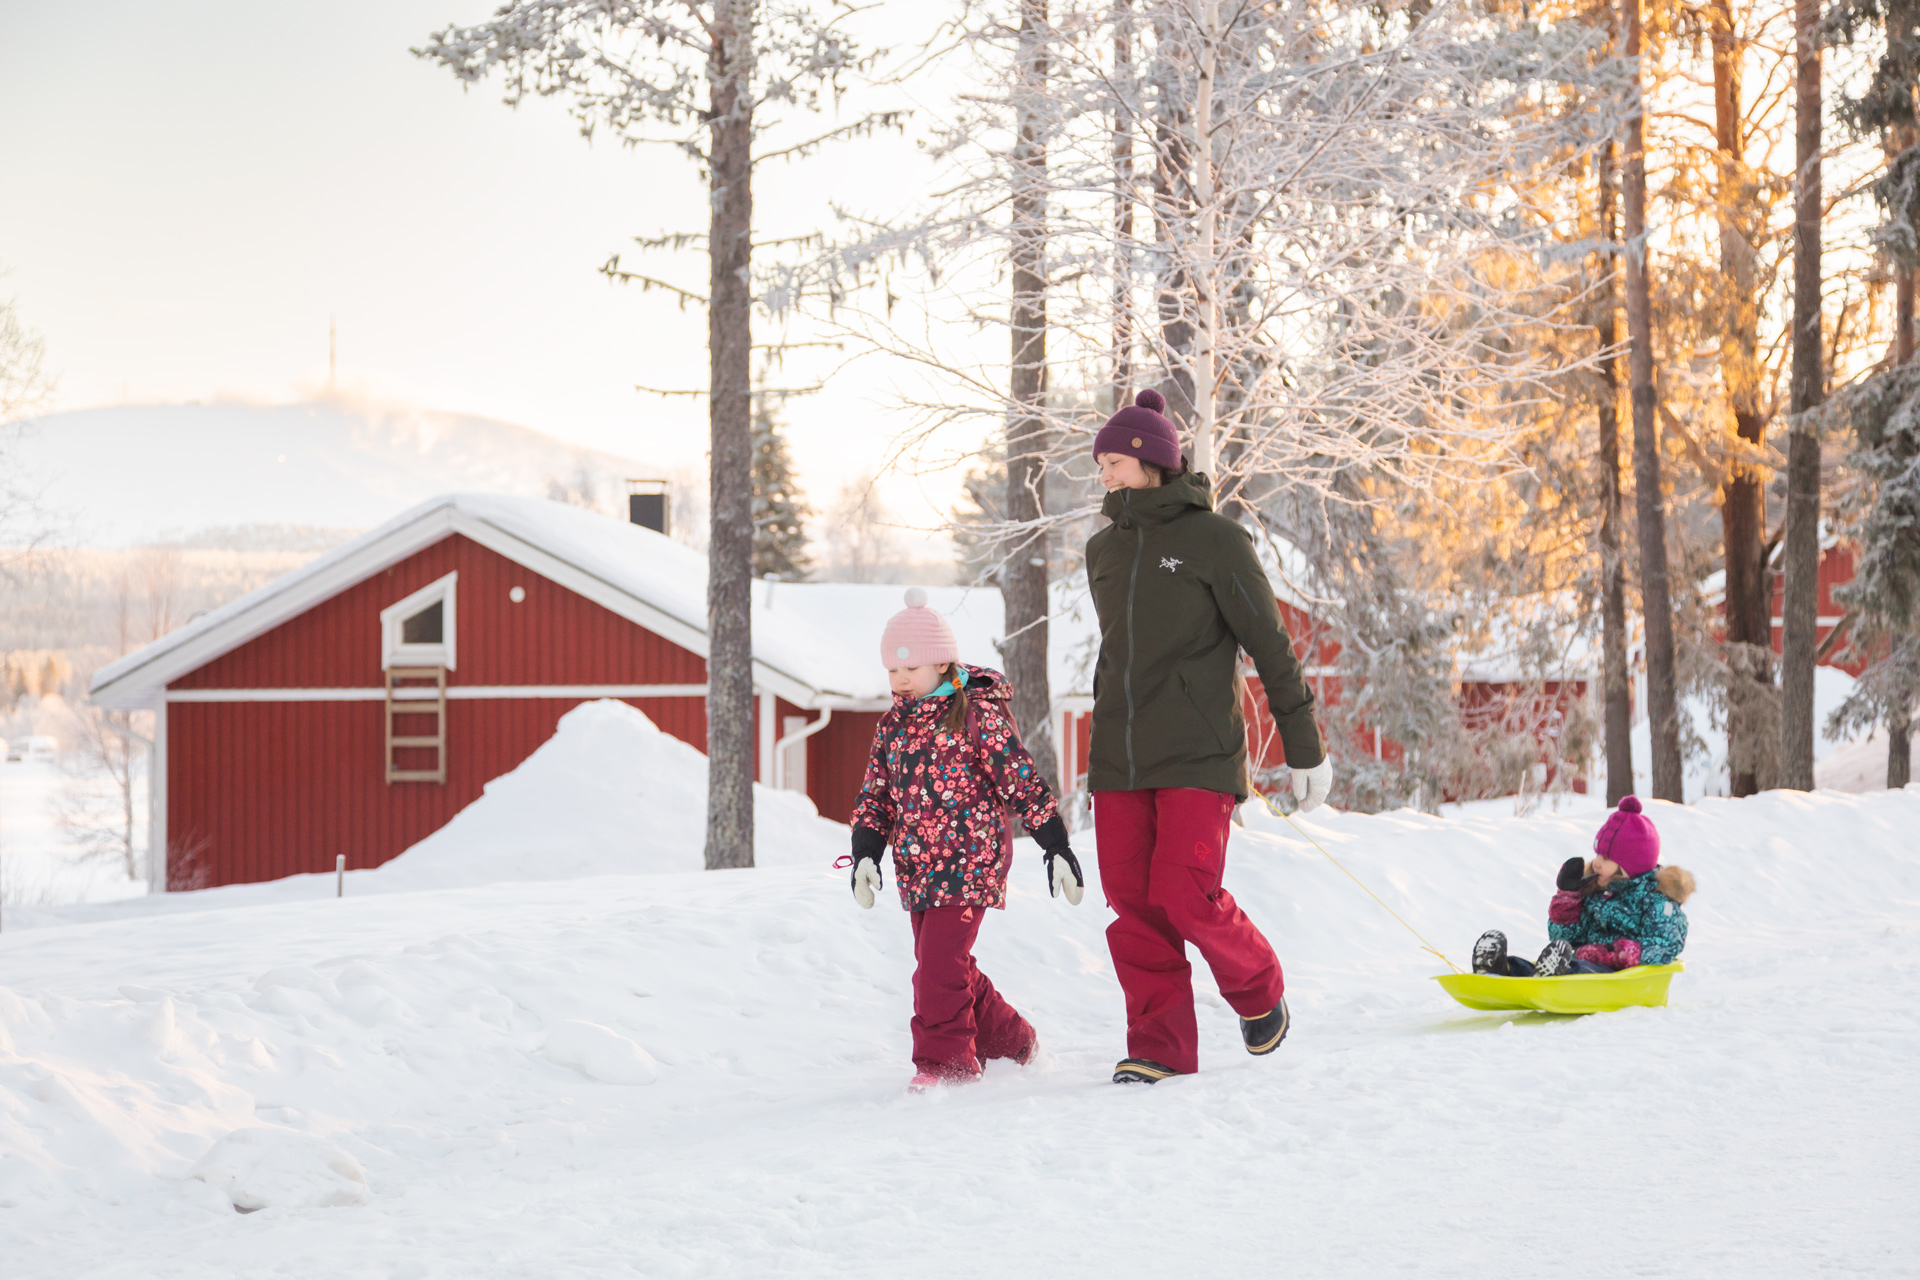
(409, 694)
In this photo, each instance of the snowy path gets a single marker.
(1764, 1124)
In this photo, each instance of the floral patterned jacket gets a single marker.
(942, 799)
(1631, 923)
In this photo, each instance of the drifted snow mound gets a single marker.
(599, 1053)
(281, 1169)
(609, 794)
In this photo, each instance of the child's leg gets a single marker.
(999, 1030)
(1519, 968)
(943, 990)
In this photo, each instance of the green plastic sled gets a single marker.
(1644, 984)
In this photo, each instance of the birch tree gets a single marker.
(709, 78)
(1303, 223)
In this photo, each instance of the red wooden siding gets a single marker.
(552, 637)
(260, 790)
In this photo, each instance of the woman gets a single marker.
(1179, 593)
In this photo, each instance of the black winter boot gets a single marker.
(1264, 1033)
(1554, 961)
(1141, 1071)
(1490, 953)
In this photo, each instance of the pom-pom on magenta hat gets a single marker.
(1141, 430)
(1628, 837)
(917, 636)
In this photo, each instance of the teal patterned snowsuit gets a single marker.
(1631, 923)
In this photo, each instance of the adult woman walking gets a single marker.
(1179, 593)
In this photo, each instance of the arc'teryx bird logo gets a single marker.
(1170, 564)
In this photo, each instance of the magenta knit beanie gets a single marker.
(1628, 838)
(917, 636)
(1140, 431)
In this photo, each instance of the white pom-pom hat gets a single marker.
(917, 636)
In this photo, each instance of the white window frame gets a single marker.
(395, 653)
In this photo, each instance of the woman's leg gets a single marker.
(1148, 954)
(1189, 858)
(944, 1030)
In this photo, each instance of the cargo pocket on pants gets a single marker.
(1208, 867)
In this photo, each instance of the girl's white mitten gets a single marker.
(1065, 883)
(866, 880)
(1310, 786)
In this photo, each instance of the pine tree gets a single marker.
(1885, 410)
(780, 510)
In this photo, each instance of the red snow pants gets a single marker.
(1162, 853)
(959, 1020)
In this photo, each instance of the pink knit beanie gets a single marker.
(917, 636)
(1628, 838)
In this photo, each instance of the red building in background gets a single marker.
(355, 705)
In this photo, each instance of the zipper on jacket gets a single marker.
(1126, 679)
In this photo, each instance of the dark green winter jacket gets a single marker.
(1179, 591)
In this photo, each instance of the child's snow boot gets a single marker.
(1025, 1056)
(1141, 1071)
(1490, 953)
(1264, 1033)
(927, 1078)
(1554, 961)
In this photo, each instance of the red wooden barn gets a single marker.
(355, 705)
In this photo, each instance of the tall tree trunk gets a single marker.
(1123, 198)
(1800, 628)
(1752, 728)
(1024, 577)
(1663, 707)
(1171, 204)
(1617, 684)
(730, 738)
(1900, 719)
(1206, 275)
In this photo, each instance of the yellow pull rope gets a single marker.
(1424, 944)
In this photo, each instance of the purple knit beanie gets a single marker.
(1141, 431)
(1628, 838)
(917, 636)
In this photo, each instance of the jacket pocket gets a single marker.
(1215, 715)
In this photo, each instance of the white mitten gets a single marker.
(1066, 883)
(866, 880)
(1310, 786)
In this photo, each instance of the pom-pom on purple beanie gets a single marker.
(1628, 837)
(917, 636)
(1141, 430)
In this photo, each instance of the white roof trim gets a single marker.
(140, 678)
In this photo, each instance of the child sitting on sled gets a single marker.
(1615, 911)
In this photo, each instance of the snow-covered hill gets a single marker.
(700, 1074)
(123, 475)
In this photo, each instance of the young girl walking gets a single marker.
(947, 768)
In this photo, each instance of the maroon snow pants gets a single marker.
(1162, 853)
(959, 1020)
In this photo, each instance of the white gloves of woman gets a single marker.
(1310, 786)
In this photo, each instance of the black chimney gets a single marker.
(647, 505)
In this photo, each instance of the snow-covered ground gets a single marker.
(700, 1074)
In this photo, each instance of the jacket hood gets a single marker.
(1185, 492)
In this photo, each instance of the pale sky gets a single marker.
(190, 189)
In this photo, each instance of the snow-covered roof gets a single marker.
(633, 571)
(814, 644)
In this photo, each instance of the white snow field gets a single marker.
(692, 1074)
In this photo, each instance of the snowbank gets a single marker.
(609, 794)
(474, 1053)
